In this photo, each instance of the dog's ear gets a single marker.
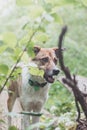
(57, 51)
(36, 49)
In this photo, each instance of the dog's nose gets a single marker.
(56, 72)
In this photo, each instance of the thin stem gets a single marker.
(19, 58)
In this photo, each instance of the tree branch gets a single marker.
(70, 80)
(61, 62)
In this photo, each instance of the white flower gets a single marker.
(69, 124)
(53, 108)
(57, 128)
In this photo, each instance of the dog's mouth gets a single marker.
(49, 78)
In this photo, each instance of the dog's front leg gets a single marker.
(9, 121)
(35, 119)
(10, 102)
(25, 122)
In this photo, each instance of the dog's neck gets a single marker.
(32, 79)
(37, 81)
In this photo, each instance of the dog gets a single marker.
(24, 87)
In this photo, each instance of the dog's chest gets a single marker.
(29, 93)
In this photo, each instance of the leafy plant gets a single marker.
(12, 128)
(19, 24)
(60, 100)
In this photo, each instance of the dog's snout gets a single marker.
(56, 72)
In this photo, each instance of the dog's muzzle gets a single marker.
(50, 77)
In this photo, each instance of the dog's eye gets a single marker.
(45, 59)
(55, 60)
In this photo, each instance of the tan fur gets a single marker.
(30, 99)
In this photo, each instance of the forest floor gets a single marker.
(82, 82)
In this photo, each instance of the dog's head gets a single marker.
(46, 59)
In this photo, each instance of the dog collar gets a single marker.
(36, 85)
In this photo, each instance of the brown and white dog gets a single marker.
(31, 100)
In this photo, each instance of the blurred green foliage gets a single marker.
(61, 98)
(12, 128)
(20, 18)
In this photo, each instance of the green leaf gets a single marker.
(30, 49)
(1, 42)
(61, 2)
(57, 18)
(36, 88)
(2, 48)
(42, 125)
(24, 40)
(25, 57)
(35, 11)
(47, 6)
(84, 2)
(36, 71)
(17, 51)
(41, 37)
(10, 39)
(16, 73)
(48, 17)
(12, 128)
(23, 2)
(2, 121)
(3, 69)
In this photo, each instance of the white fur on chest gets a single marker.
(28, 93)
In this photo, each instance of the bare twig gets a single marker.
(65, 69)
(19, 58)
(70, 80)
(78, 110)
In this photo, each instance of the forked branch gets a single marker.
(71, 80)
